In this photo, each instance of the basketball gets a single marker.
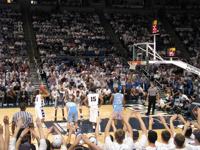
(42, 88)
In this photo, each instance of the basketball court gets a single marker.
(86, 127)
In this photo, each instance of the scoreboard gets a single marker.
(154, 27)
(172, 52)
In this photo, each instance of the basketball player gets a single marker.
(70, 93)
(84, 92)
(54, 95)
(93, 100)
(39, 104)
(59, 103)
(64, 95)
(77, 98)
(72, 115)
(118, 101)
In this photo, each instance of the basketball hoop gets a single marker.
(133, 64)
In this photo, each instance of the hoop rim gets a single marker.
(135, 62)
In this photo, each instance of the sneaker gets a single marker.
(35, 125)
(82, 117)
(147, 114)
(64, 119)
(100, 132)
(67, 133)
(43, 126)
(55, 119)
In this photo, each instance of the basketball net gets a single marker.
(132, 65)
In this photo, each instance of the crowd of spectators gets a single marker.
(78, 36)
(70, 33)
(24, 134)
(14, 63)
(186, 27)
(134, 28)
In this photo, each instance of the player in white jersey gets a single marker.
(54, 95)
(93, 100)
(39, 104)
(84, 92)
(77, 98)
(70, 93)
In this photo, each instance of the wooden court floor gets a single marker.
(105, 112)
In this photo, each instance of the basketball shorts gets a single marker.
(94, 113)
(59, 105)
(72, 115)
(40, 113)
(78, 102)
(117, 109)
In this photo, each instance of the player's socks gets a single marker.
(81, 116)
(93, 128)
(64, 117)
(55, 117)
(67, 132)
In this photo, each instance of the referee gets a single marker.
(27, 119)
(152, 93)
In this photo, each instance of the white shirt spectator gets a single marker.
(169, 146)
(115, 146)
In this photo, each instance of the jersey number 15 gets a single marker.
(93, 99)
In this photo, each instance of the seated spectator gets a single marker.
(32, 97)
(169, 104)
(106, 94)
(175, 91)
(23, 96)
(186, 88)
(11, 97)
(134, 94)
(160, 103)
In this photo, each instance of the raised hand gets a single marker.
(162, 120)
(151, 120)
(85, 139)
(1, 129)
(49, 130)
(173, 117)
(19, 122)
(195, 123)
(137, 115)
(6, 120)
(38, 122)
(99, 119)
(187, 124)
(24, 132)
(71, 129)
(130, 113)
(113, 115)
(123, 117)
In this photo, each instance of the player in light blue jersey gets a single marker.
(118, 102)
(59, 103)
(72, 115)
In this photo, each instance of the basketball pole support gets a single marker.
(157, 59)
